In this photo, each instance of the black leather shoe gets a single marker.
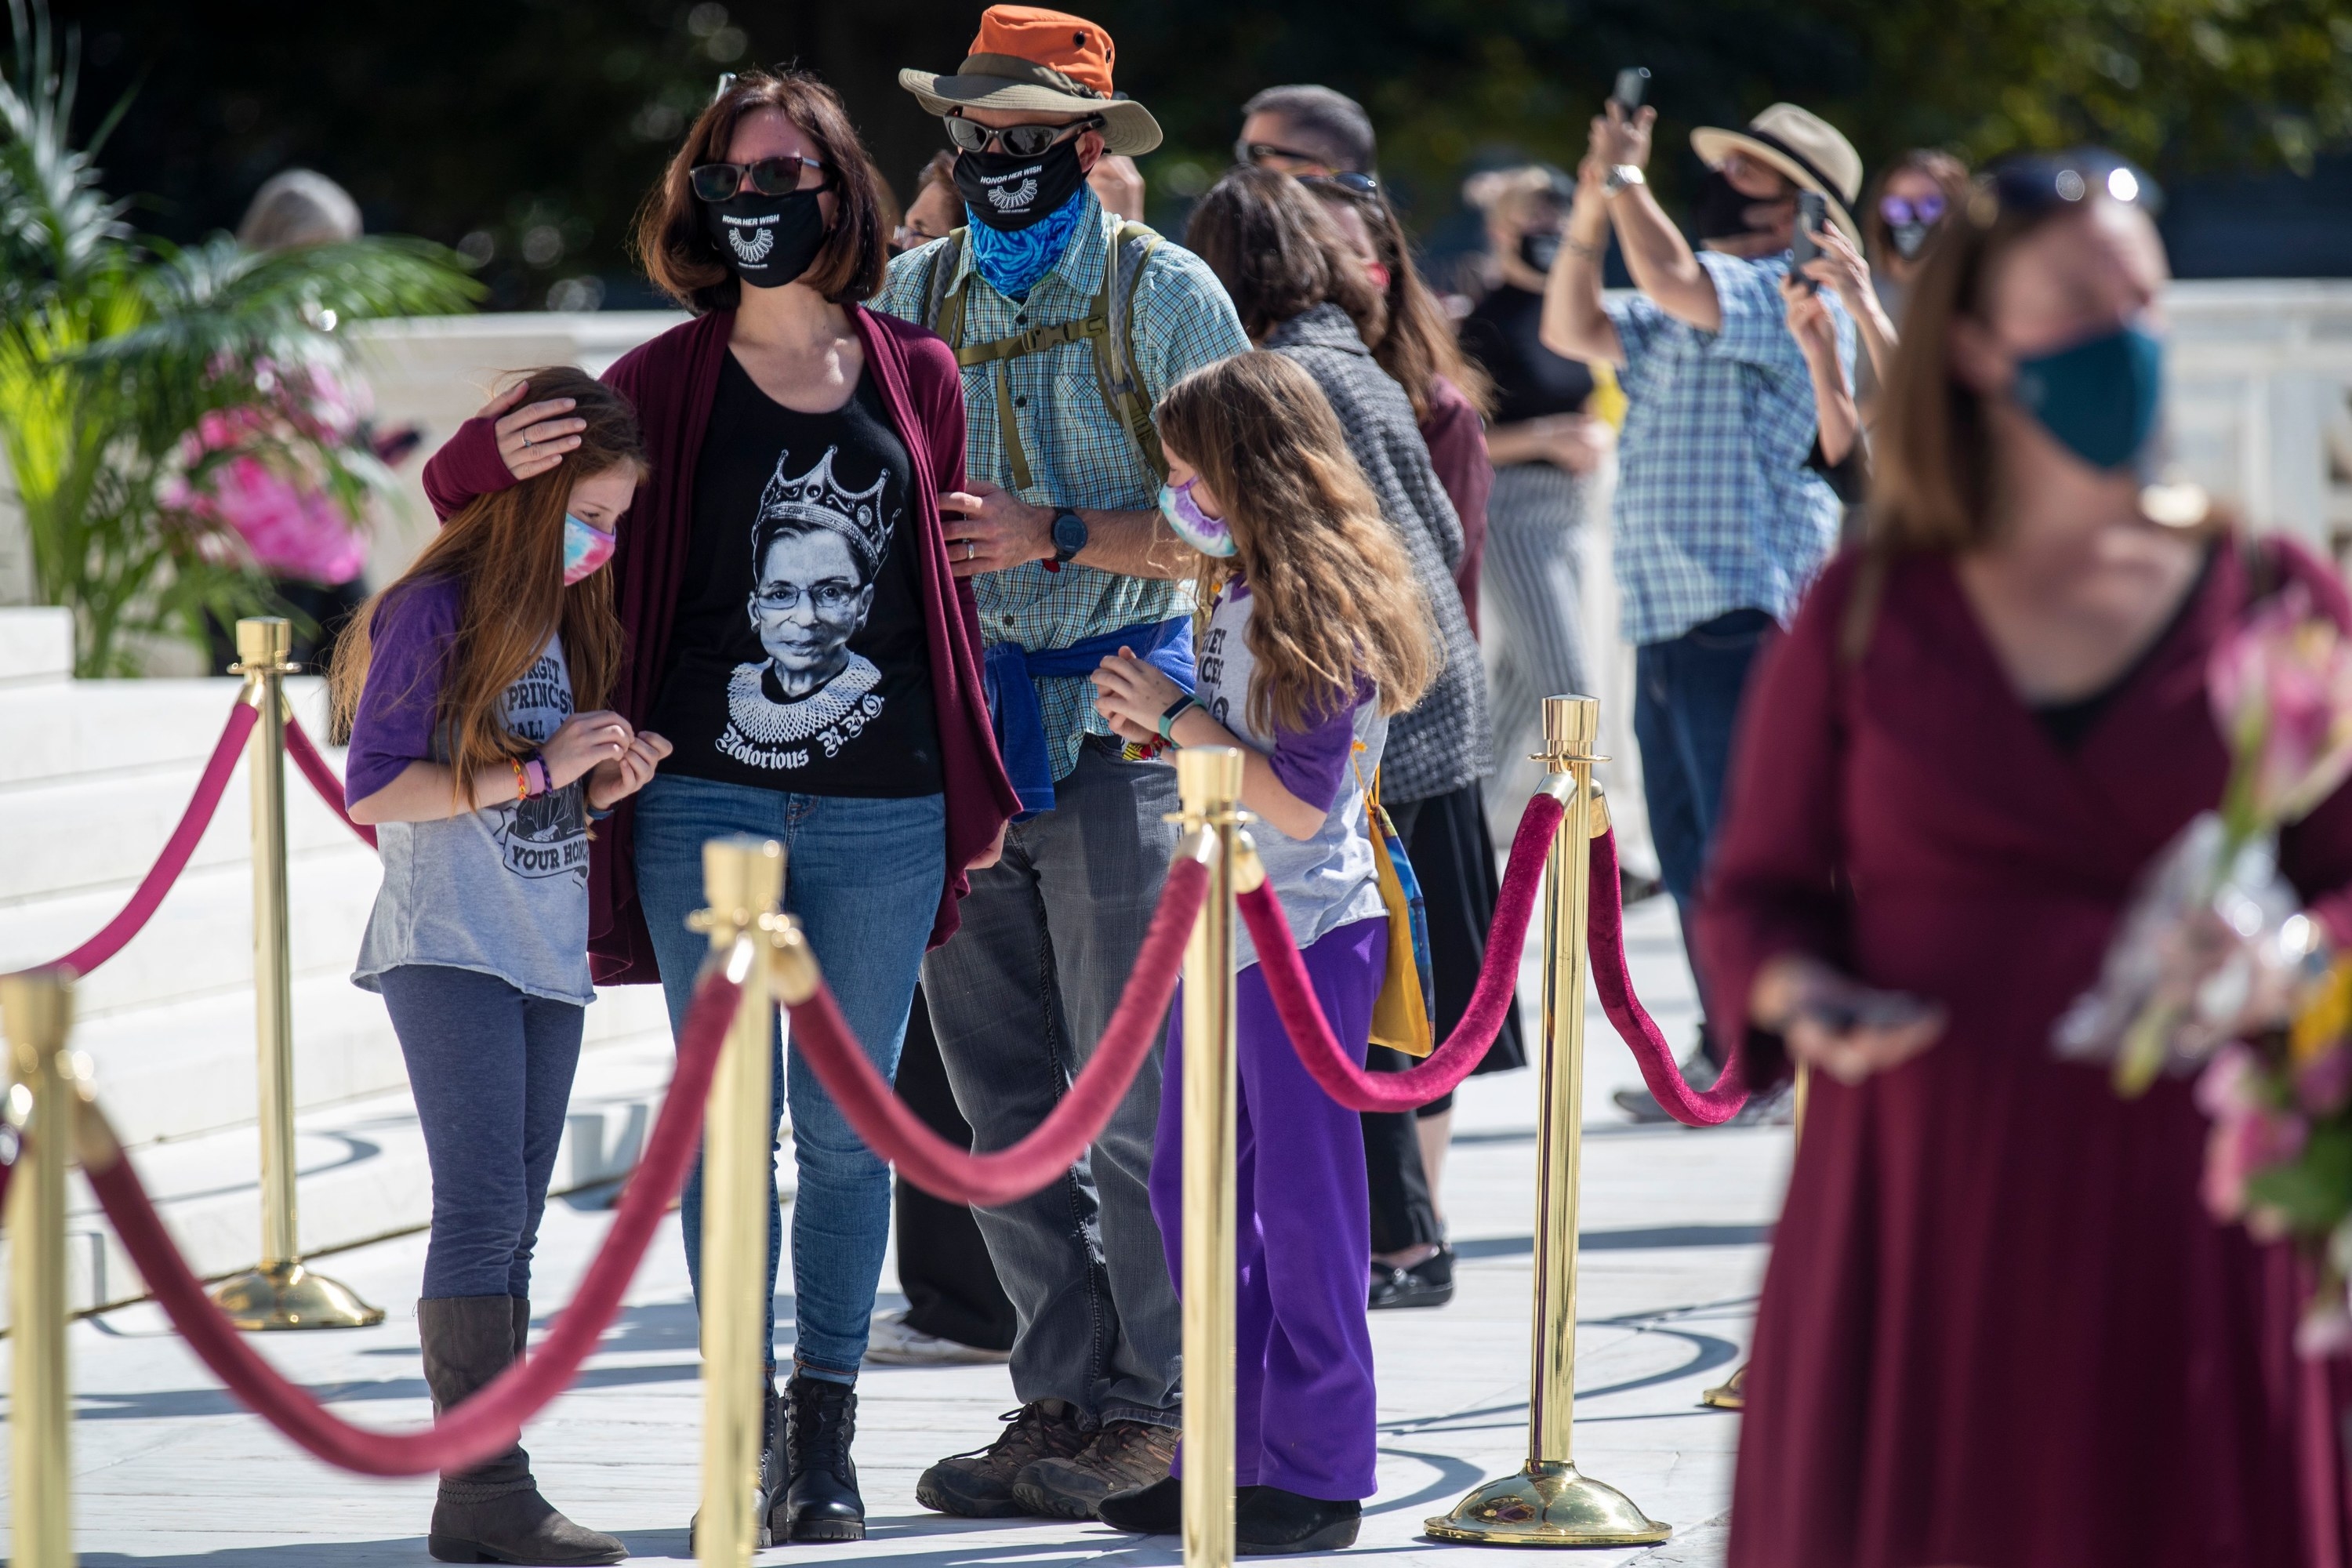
(820, 1500)
(771, 1478)
(1269, 1521)
(1428, 1283)
(1155, 1509)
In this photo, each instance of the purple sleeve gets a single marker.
(1310, 763)
(412, 631)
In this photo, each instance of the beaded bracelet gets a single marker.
(522, 779)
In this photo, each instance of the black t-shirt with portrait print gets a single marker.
(799, 659)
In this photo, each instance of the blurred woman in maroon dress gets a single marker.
(1999, 1330)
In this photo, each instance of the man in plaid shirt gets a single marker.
(1069, 560)
(1723, 514)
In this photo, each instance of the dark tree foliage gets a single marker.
(534, 126)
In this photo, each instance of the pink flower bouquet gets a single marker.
(2215, 935)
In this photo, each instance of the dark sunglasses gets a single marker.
(1898, 211)
(770, 176)
(1364, 188)
(2037, 183)
(1021, 140)
(1259, 152)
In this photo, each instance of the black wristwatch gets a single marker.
(1070, 535)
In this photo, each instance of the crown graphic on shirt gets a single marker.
(814, 497)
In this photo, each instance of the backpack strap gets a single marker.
(1122, 383)
(943, 312)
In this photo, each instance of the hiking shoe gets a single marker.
(979, 1485)
(1122, 1456)
(891, 1341)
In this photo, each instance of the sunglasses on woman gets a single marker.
(770, 176)
(1898, 210)
(1021, 140)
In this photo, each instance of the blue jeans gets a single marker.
(1686, 698)
(864, 876)
(491, 1069)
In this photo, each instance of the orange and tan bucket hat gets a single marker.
(1027, 58)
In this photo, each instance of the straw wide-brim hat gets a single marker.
(1802, 146)
(1039, 61)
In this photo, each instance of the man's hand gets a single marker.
(1621, 141)
(997, 531)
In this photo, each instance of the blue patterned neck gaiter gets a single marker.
(1012, 261)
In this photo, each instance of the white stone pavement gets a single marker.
(170, 1473)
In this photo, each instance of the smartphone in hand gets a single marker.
(1813, 211)
(1633, 84)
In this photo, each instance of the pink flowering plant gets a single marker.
(2215, 936)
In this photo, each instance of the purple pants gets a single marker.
(1304, 1415)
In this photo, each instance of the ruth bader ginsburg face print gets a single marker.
(816, 548)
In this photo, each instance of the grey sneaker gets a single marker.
(1123, 1457)
(979, 1485)
(1640, 1104)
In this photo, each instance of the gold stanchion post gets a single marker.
(1548, 1503)
(743, 878)
(281, 1293)
(37, 1009)
(1209, 780)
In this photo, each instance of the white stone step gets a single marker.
(36, 647)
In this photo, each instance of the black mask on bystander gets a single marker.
(1540, 251)
(1719, 210)
(1011, 193)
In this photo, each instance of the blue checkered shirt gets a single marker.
(1715, 507)
(1080, 453)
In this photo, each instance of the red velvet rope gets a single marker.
(321, 775)
(959, 1176)
(1605, 943)
(1357, 1090)
(489, 1422)
(1491, 999)
(174, 860)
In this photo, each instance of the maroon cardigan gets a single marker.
(1457, 450)
(672, 381)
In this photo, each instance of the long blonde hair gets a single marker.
(1334, 600)
(504, 551)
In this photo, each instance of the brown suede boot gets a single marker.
(493, 1512)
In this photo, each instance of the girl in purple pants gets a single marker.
(1318, 634)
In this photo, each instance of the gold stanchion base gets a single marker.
(288, 1296)
(1547, 1504)
(1731, 1394)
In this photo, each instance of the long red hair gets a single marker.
(505, 551)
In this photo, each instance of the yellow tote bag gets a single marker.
(1404, 1018)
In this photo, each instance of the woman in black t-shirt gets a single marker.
(1551, 457)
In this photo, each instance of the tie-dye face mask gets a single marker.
(1207, 534)
(584, 550)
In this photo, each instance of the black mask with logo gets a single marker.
(1719, 210)
(767, 240)
(1008, 193)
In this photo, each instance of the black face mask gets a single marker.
(767, 240)
(1719, 211)
(1008, 193)
(1540, 251)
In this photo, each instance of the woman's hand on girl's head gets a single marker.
(627, 774)
(585, 740)
(534, 437)
(1129, 691)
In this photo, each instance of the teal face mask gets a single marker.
(2099, 397)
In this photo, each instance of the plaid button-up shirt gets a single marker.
(1716, 509)
(1079, 452)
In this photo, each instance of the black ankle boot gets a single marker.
(493, 1512)
(820, 1501)
(770, 1483)
(1269, 1521)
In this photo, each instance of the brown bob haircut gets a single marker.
(676, 246)
(1279, 254)
(1933, 460)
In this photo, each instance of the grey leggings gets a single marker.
(491, 1069)
(1533, 592)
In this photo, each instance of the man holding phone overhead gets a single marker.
(1722, 513)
